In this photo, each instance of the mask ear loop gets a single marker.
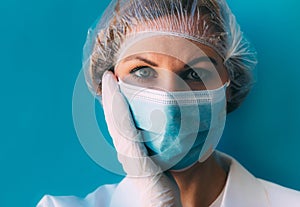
(120, 81)
(227, 83)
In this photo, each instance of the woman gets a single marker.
(167, 73)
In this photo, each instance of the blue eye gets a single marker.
(193, 75)
(143, 72)
(196, 75)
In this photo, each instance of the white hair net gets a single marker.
(209, 22)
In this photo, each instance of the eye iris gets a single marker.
(195, 75)
(144, 73)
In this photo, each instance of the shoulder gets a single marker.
(244, 189)
(281, 196)
(100, 197)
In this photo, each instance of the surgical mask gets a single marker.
(179, 128)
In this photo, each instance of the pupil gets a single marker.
(144, 73)
(195, 75)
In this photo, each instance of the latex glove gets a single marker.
(157, 189)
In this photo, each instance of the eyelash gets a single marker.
(132, 72)
(185, 73)
(138, 68)
(190, 71)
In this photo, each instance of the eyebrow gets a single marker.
(194, 61)
(141, 59)
(202, 59)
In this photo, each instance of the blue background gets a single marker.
(40, 49)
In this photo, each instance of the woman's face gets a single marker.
(172, 64)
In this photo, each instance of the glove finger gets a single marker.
(127, 139)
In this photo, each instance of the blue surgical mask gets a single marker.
(179, 128)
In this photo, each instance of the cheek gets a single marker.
(121, 71)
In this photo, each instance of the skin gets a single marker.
(169, 62)
(200, 184)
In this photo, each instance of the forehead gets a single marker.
(170, 45)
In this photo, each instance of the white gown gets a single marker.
(241, 190)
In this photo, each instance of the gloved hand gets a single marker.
(157, 189)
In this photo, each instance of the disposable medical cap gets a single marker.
(209, 22)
